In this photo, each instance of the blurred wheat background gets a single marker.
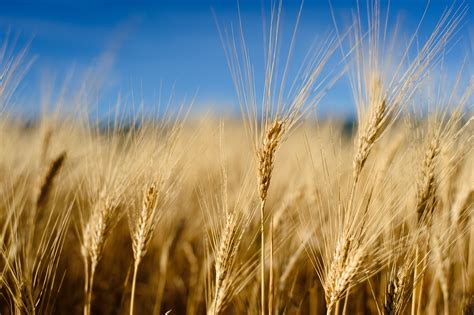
(276, 212)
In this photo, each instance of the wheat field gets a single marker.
(276, 212)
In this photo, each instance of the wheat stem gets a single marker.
(134, 282)
(338, 306)
(415, 287)
(86, 286)
(87, 306)
(262, 255)
(270, 286)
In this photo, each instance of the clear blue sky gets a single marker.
(148, 44)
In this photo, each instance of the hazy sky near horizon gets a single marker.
(143, 49)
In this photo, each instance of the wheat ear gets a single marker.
(95, 234)
(398, 288)
(142, 230)
(372, 131)
(266, 159)
(46, 181)
(225, 260)
(426, 188)
(348, 258)
(41, 193)
(425, 204)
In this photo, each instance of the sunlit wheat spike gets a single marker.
(426, 188)
(224, 262)
(266, 156)
(399, 288)
(371, 132)
(143, 228)
(98, 227)
(343, 277)
(46, 181)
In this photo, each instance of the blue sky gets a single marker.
(139, 48)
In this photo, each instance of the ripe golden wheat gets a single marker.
(277, 213)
